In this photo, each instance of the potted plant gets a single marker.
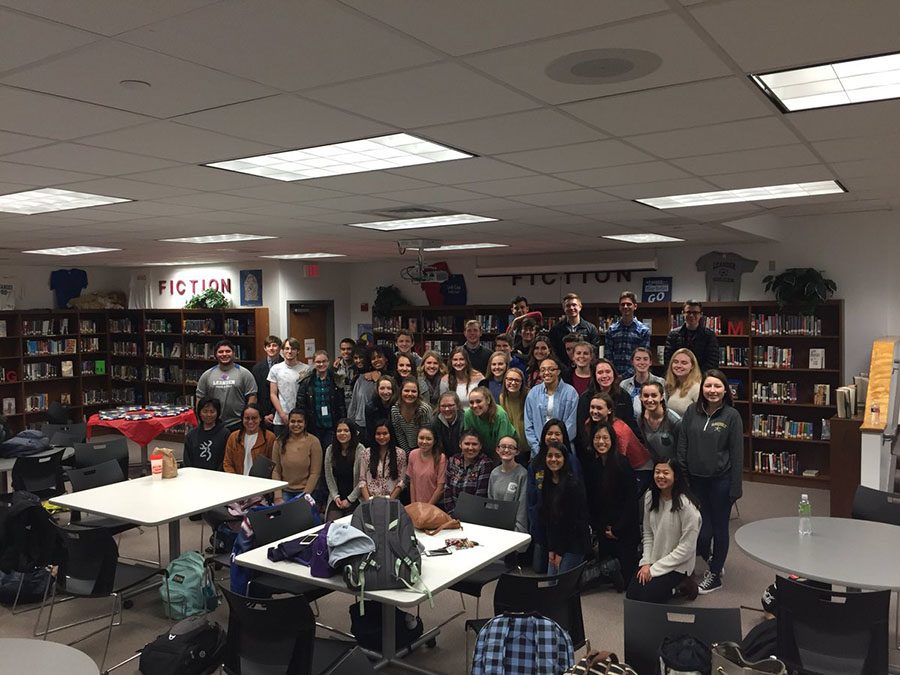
(211, 298)
(387, 299)
(803, 287)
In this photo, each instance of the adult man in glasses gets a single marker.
(694, 336)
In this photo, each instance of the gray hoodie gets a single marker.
(713, 446)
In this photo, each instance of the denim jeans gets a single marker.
(542, 566)
(714, 495)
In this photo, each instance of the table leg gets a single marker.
(174, 539)
(145, 460)
(389, 643)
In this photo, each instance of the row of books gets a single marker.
(97, 367)
(45, 327)
(39, 402)
(122, 395)
(42, 347)
(714, 323)
(157, 326)
(776, 462)
(779, 324)
(87, 326)
(125, 349)
(94, 396)
(845, 399)
(199, 326)
(44, 370)
(441, 324)
(774, 392)
(389, 324)
(161, 397)
(779, 426)
(165, 350)
(90, 344)
(171, 374)
(121, 326)
(239, 327)
(733, 356)
(773, 357)
(207, 350)
(123, 372)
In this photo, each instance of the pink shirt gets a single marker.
(423, 477)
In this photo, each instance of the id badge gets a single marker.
(324, 411)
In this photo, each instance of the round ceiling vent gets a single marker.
(600, 66)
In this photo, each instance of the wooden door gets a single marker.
(309, 322)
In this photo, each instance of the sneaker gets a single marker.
(710, 582)
(709, 562)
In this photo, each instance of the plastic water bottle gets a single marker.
(805, 512)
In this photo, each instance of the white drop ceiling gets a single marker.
(558, 163)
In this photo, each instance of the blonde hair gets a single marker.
(690, 380)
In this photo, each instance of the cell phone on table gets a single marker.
(307, 539)
(437, 551)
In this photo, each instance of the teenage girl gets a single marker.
(682, 380)
(427, 469)
(342, 462)
(298, 459)
(384, 465)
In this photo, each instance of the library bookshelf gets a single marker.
(784, 368)
(94, 359)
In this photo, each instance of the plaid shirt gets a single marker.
(522, 645)
(621, 341)
(322, 398)
(473, 479)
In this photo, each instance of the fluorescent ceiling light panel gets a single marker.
(47, 200)
(465, 247)
(71, 250)
(874, 78)
(304, 256)
(823, 187)
(430, 221)
(642, 238)
(368, 154)
(219, 238)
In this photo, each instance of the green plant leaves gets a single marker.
(803, 287)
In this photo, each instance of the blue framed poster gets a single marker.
(251, 288)
(657, 289)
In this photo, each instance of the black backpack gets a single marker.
(190, 647)
(396, 561)
(366, 627)
(27, 536)
(684, 653)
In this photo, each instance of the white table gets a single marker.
(150, 502)
(438, 573)
(40, 657)
(852, 553)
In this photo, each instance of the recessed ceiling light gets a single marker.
(642, 238)
(873, 78)
(46, 200)
(430, 221)
(368, 154)
(71, 250)
(756, 194)
(304, 256)
(464, 247)
(219, 238)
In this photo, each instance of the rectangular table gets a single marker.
(438, 573)
(150, 502)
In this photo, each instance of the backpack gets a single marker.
(191, 647)
(684, 654)
(761, 642)
(366, 627)
(27, 536)
(222, 538)
(188, 589)
(396, 561)
(28, 442)
(33, 584)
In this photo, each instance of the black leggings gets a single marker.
(658, 589)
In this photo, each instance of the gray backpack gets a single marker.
(396, 561)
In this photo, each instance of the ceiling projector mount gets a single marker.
(420, 272)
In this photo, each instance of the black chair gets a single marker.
(91, 568)
(648, 623)
(262, 467)
(41, 475)
(76, 431)
(91, 454)
(490, 513)
(273, 635)
(106, 473)
(823, 631)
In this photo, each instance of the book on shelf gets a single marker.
(9, 406)
(736, 328)
(816, 358)
(3, 328)
(66, 369)
(734, 385)
(822, 394)
(826, 430)
(176, 351)
(845, 399)
(65, 398)
(100, 367)
(862, 388)
(413, 324)
(810, 473)
(660, 354)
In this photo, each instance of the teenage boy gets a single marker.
(569, 342)
(503, 343)
(520, 310)
(641, 360)
(694, 335)
(284, 379)
(233, 386)
(321, 400)
(478, 354)
(551, 398)
(580, 375)
(573, 323)
(344, 369)
(525, 338)
(271, 356)
(404, 345)
(625, 335)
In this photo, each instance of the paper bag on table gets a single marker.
(170, 465)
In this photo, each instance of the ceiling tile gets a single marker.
(516, 131)
(38, 176)
(868, 147)
(622, 175)
(685, 105)
(519, 186)
(155, 208)
(368, 182)
(660, 188)
(430, 195)
(551, 199)
(866, 119)
(288, 45)
(201, 178)
(734, 162)
(685, 58)
(580, 156)
(842, 30)
(15, 142)
(73, 157)
(127, 189)
(177, 87)
(215, 202)
(609, 210)
(25, 39)
(486, 206)
(444, 92)
(783, 176)
(289, 193)
(354, 203)
(883, 166)
(463, 171)
(758, 133)
(289, 211)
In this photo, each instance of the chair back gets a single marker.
(268, 636)
(89, 561)
(75, 431)
(487, 512)
(825, 631)
(262, 467)
(556, 597)
(876, 505)
(91, 454)
(281, 521)
(648, 623)
(106, 473)
(41, 475)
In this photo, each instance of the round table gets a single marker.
(39, 657)
(852, 553)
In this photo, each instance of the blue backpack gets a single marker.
(188, 589)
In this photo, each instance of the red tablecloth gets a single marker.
(142, 431)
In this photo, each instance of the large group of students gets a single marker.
(607, 461)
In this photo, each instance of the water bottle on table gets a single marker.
(805, 512)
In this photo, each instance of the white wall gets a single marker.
(34, 281)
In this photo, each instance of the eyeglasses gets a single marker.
(548, 370)
(446, 406)
(507, 446)
(693, 312)
(512, 379)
